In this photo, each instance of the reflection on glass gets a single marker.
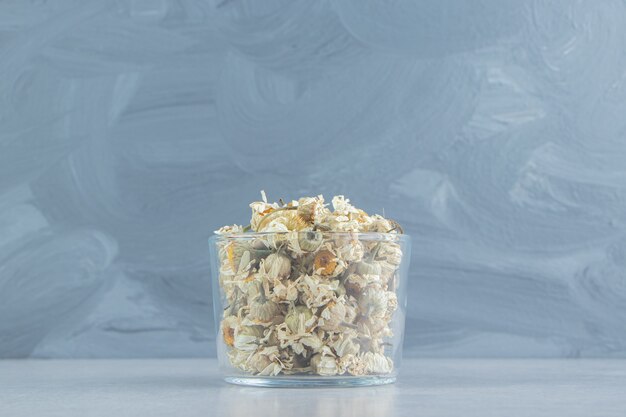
(359, 402)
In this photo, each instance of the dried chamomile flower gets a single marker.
(239, 288)
(276, 266)
(235, 302)
(239, 359)
(325, 262)
(297, 330)
(304, 242)
(299, 319)
(276, 241)
(263, 311)
(377, 363)
(300, 365)
(228, 230)
(368, 268)
(345, 344)
(355, 283)
(247, 338)
(387, 271)
(229, 327)
(311, 341)
(271, 337)
(352, 364)
(284, 291)
(340, 223)
(282, 220)
(235, 260)
(236, 256)
(266, 361)
(342, 206)
(324, 363)
(381, 225)
(349, 249)
(392, 305)
(373, 302)
(317, 292)
(352, 308)
(333, 316)
(371, 330)
(290, 241)
(298, 341)
(312, 209)
(346, 217)
(260, 209)
(252, 285)
(390, 252)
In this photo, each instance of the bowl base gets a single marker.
(310, 381)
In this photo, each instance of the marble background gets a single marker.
(494, 130)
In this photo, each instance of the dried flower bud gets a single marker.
(310, 241)
(247, 338)
(235, 256)
(276, 266)
(259, 363)
(263, 311)
(373, 302)
(377, 363)
(300, 243)
(324, 365)
(332, 316)
(266, 361)
(368, 268)
(298, 319)
(355, 283)
(390, 252)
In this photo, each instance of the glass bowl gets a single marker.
(309, 308)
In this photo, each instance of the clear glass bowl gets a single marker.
(310, 308)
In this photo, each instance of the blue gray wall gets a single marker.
(495, 131)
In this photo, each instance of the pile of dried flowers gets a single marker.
(304, 299)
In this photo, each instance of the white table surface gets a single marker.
(191, 387)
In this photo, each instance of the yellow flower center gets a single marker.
(326, 261)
